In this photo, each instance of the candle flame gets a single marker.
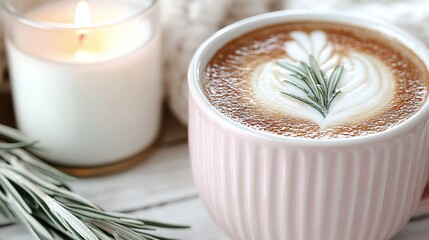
(82, 16)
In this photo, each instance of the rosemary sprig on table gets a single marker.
(320, 89)
(35, 195)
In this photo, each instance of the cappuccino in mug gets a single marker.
(310, 125)
(316, 80)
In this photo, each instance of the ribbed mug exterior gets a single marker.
(258, 189)
(259, 186)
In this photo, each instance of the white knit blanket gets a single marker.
(187, 23)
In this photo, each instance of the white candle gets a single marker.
(90, 95)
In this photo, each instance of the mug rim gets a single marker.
(197, 67)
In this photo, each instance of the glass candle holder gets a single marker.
(85, 77)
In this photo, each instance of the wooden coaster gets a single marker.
(86, 172)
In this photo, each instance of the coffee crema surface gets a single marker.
(382, 84)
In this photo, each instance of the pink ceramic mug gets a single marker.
(263, 186)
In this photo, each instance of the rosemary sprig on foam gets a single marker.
(35, 195)
(320, 89)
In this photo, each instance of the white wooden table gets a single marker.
(161, 188)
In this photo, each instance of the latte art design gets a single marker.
(367, 84)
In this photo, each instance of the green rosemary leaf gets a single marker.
(76, 232)
(335, 78)
(54, 227)
(313, 84)
(100, 234)
(14, 139)
(323, 96)
(10, 189)
(114, 228)
(70, 221)
(292, 68)
(4, 145)
(38, 167)
(40, 205)
(308, 84)
(318, 73)
(4, 209)
(34, 226)
(320, 90)
(160, 238)
(333, 96)
(306, 102)
(298, 86)
(21, 214)
(164, 225)
(99, 215)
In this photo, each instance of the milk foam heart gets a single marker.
(367, 84)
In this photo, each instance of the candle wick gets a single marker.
(81, 40)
